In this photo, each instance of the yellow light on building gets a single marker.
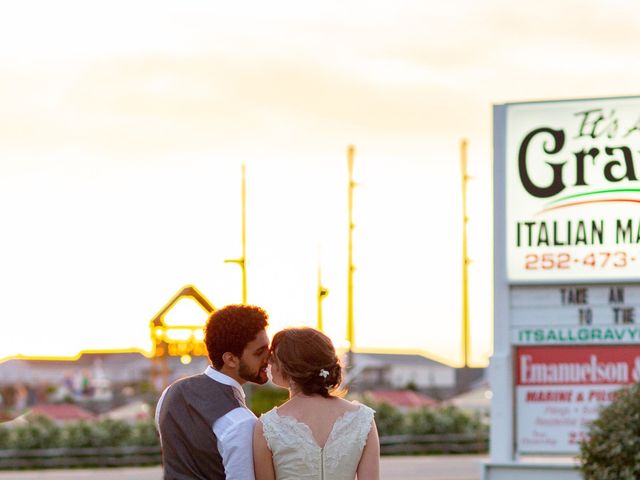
(185, 359)
(177, 335)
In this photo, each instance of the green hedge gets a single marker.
(43, 433)
(389, 420)
(424, 421)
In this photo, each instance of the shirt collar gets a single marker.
(224, 379)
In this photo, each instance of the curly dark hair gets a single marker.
(308, 357)
(230, 329)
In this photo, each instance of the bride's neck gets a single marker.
(295, 392)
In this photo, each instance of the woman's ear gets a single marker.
(230, 360)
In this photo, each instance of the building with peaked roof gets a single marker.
(399, 371)
(117, 366)
(476, 400)
(131, 412)
(188, 291)
(403, 399)
(189, 342)
(60, 413)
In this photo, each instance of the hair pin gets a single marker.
(324, 373)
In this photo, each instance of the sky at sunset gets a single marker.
(123, 127)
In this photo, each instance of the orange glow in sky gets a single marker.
(124, 124)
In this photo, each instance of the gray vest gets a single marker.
(189, 409)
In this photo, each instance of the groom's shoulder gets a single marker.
(186, 382)
(202, 386)
(206, 395)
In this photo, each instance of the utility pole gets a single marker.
(465, 258)
(242, 260)
(350, 328)
(322, 293)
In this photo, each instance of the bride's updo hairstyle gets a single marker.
(307, 357)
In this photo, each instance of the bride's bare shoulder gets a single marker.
(347, 405)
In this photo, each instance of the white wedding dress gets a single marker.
(297, 456)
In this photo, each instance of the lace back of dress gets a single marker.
(297, 456)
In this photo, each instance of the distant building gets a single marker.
(93, 374)
(98, 378)
(475, 401)
(403, 400)
(116, 368)
(61, 413)
(374, 371)
(468, 379)
(131, 412)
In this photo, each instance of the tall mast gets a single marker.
(350, 326)
(465, 258)
(242, 260)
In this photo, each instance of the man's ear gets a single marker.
(230, 360)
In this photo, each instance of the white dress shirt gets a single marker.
(234, 431)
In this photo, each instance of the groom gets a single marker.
(205, 427)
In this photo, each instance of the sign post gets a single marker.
(566, 277)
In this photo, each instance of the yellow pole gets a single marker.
(350, 327)
(242, 260)
(465, 258)
(244, 236)
(322, 292)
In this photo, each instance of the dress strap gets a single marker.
(270, 427)
(364, 424)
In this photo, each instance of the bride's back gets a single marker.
(317, 438)
(315, 435)
(317, 413)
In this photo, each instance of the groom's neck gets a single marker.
(230, 372)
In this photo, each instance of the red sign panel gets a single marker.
(584, 365)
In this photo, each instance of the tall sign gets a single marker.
(566, 278)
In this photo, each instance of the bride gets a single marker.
(315, 434)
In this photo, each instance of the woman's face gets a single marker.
(276, 374)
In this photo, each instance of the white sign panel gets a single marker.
(573, 190)
(575, 314)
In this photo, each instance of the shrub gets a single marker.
(4, 437)
(443, 420)
(38, 433)
(389, 420)
(43, 433)
(115, 433)
(81, 435)
(611, 449)
(144, 434)
(424, 422)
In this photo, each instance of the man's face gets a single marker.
(254, 360)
